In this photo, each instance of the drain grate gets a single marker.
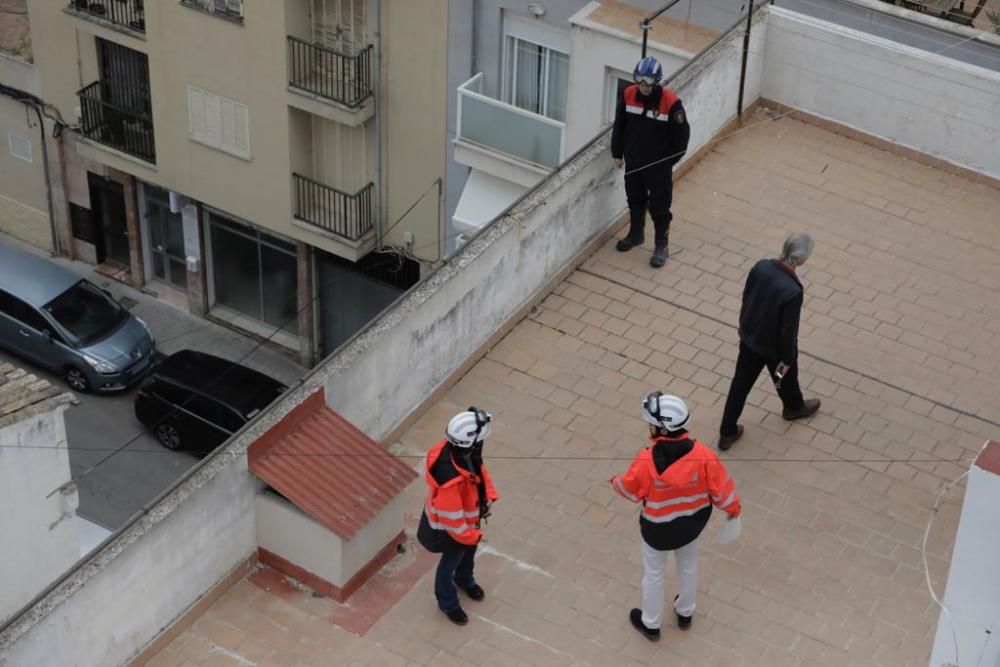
(127, 303)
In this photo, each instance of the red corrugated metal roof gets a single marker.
(327, 467)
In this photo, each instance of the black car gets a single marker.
(195, 401)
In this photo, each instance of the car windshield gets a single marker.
(86, 312)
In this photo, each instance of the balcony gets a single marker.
(123, 13)
(504, 140)
(329, 83)
(347, 216)
(125, 130)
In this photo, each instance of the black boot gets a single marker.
(683, 622)
(627, 243)
(659, 257)
(457, 616)
(652, 634)
(475, 591)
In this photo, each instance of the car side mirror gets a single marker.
(48, 336)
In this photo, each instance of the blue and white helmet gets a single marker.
(469, 427)
(648, 71)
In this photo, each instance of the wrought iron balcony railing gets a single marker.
(127, 13)
(343, 78)
(348, 215)
(125, 130)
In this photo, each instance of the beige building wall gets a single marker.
(23, 204)
(412, 100)
(248, 62)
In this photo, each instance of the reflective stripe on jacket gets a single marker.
(453, 507)
(690, 484)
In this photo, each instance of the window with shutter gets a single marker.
(196, 112)
(219, 122)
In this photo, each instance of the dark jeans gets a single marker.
(652, 188)
(455, 567)
(748, 366)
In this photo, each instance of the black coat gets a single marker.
(642, 139)
(772, 304)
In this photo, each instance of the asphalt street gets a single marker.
(100, 425)
(128, 480)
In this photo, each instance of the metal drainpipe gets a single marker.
(383, 197)
(48, 183)
(746, 55)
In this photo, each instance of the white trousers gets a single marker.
(655, 564)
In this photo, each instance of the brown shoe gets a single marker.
(727, 441)
(808, 409)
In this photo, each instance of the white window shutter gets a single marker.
(196, 113)
(241, 129)
(228, 123)
(213, 119)
(219, 122)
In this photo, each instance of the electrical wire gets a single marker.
(923, 553)
(409, 253)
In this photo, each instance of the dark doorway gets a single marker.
(107, 205)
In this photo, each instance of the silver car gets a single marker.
(69, 325)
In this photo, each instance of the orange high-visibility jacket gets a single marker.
(687, 486)
(454, 505)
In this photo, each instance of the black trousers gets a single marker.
(652, 189)
(749, 364)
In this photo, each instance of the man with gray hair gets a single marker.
(769, 332)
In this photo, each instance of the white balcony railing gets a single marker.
(506, 128)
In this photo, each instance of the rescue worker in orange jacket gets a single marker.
(459, 494)
(677, 480)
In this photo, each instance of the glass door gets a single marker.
(166, 240)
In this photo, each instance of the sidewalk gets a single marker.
(176, 329)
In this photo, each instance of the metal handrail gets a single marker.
(341, 77)
(342, 213)
(105, 123)
(130, 14)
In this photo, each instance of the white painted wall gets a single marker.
(597, 50)
(40, 538)
(374, 537)
(287, 531)
(973, 592)
(139, 584)
(911, 97)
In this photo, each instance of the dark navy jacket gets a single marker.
(769, 319)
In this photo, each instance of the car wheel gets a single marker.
(77, 380)
(169, 436)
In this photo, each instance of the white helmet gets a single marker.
(665, 411)
(469, 427)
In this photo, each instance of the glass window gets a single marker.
(280, 297)
(255, 274)
(86, 312)
(236, 269)
(537, 78)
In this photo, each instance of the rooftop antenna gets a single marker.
(646, 24)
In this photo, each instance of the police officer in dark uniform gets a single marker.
(651, 133)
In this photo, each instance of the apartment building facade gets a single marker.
(257, 161)
(532, 82)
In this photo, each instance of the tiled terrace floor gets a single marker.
(901, 340)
